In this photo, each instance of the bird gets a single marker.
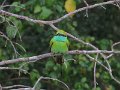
(70, 6)
(59, 45)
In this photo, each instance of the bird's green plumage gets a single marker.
(59, 43)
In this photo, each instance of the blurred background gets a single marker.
(101, 28)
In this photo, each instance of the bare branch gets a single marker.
(3, 3)
(0, 87)
(12, 6)
(48, 78)
(95, 72)
(87, 6)
(58, 20)
(117, 43)
(98, 62)
(47, 55)
(95, 76)
(110, 70)
(8, 68)
(112, 48)
(15, 86)
(2, 12)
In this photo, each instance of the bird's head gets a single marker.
(61, 33)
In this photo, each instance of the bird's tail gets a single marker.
(59, 59)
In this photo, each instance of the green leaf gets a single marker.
(2, 19)
(18, 24)
(11, 31)
(37, 9)
(98, 88)
(97, 75)
(59, 8)
(0, 54)
(86, 85)
(15, 22)
(45, 13)
(34, 75)
(16, 4)
(75, 23)
(83, 79)
(49, 2)
(21, 47)
(49, 65)
(104, 44)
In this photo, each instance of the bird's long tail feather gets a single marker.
(59, 59)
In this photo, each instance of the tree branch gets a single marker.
(2, 12)
(47, 55)
(13, 86)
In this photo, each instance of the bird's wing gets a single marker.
(51, 42)
(68, 43)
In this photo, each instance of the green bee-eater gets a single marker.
(59, 45)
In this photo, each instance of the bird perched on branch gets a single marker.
(59, 45)
(70, 6)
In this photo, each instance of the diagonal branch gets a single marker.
(2, 12)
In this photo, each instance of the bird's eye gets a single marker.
(61, 35)
(58, 34)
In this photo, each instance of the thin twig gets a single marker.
(117, 43)
(95, 76)
(11, 6)
(112, 48)
(110, 70)
(95, 71)
(4, 36)
(98, 62)
(48, 78)
(10, 68)
(14, 86)
(87, 6)
(3, 3)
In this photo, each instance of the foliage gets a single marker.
(101, 29)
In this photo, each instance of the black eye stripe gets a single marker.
(60, 35)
